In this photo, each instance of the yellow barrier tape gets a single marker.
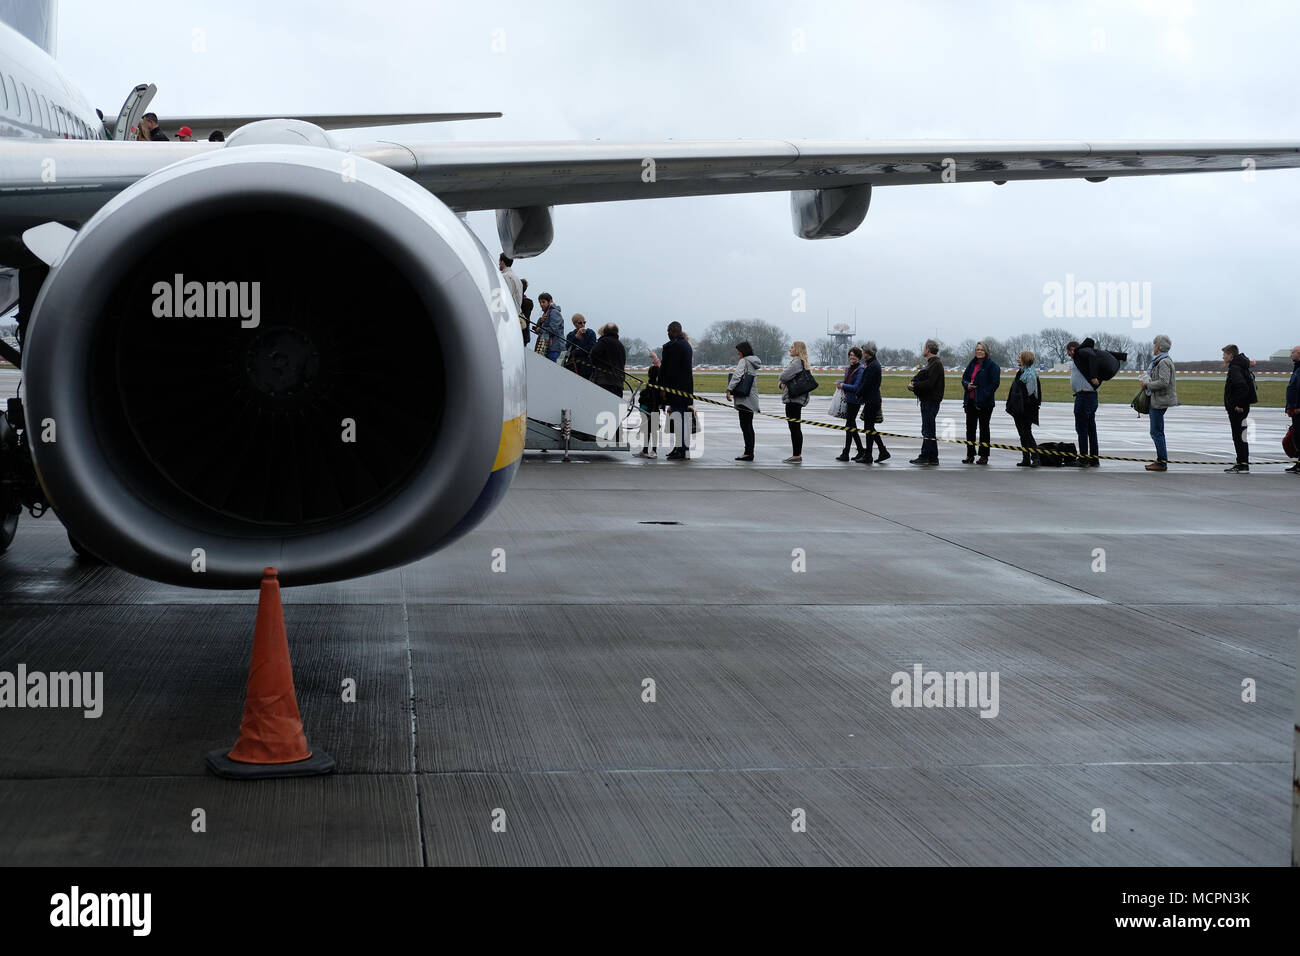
(957, 441)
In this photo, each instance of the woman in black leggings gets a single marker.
(794, 406)
(869, 395)
(851, 386)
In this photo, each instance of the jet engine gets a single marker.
(272, 355)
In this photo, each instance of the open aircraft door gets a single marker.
(137, 101)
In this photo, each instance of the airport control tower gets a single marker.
(842, 333)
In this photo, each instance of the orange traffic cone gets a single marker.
(271, 740)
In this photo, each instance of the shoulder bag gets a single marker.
(802, 383)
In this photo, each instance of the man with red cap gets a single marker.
(185, 134)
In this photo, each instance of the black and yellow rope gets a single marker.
(955, 441)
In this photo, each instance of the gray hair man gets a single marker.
(1158, 380)
(927, 386)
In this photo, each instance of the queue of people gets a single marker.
(150, 131)
(599, 357)
(667, 397)
(860, 393)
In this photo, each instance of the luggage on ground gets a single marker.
(1055, 454)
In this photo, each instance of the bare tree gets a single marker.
(947, 356)
(1025, 341)
(1111, 341)
(718, 344)
(997, 350)
(825, 351)
(1052, 341)
(901, 357)
(638, 351)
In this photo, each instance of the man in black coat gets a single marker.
(1238, 396)
(150, 124)
(927, 386)
(675, 372)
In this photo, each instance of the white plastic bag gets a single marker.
(839, 407)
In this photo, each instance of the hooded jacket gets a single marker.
(1100, 364)
(1293, 388)
(749, 365)
(552, 322)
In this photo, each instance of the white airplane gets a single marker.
(199, 402)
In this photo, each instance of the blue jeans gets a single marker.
(929, 447)
(1085, 422)
(1158, 433)
(553, 354)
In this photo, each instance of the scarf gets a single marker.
(1030, 377)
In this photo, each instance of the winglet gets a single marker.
(48, 241)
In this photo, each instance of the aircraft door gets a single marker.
(137, 101)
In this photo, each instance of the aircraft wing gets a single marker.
(68, 180)
(203, 125)
(469, 176)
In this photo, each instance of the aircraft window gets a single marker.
(13, 94)
(4, 91)
(25, 100)
(45, 112)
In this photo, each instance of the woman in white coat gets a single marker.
(747, 364)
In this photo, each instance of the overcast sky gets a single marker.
(957, 260)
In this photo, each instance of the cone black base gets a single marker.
(219, 762)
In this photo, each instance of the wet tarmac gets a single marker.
(771, 616)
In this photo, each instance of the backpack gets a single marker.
(1254, 392)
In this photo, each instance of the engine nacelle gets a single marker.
(273, 355)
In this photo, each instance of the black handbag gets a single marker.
(744, 386)
(802, 383)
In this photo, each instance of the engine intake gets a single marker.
(280, 355)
